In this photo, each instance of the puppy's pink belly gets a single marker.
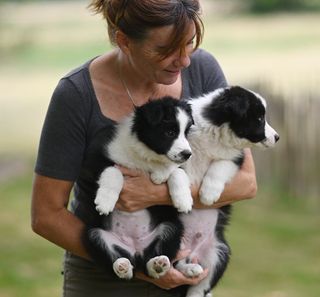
(132, 229)
(199, 234)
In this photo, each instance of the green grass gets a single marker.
(29, 265)
(275, 248)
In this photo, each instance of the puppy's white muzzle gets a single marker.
(180, 151)
(271, 136)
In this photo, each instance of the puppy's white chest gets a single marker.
(196, 167)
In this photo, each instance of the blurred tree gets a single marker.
(265, 6)
(272, 5)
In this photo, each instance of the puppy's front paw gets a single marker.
(105, 202)
(158, 266)
(192, 270)
(210, 194)
(123, 268)
(182, 202)
(158, 177)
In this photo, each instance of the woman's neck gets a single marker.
(139, 88)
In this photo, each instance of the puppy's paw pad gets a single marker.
(158, 266)
(123, 268)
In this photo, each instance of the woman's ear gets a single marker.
(122, 41)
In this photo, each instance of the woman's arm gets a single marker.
(50, 216)
(139, 192)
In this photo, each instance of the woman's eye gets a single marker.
(170, 133)
(190, 44)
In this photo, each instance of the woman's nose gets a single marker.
(182, 61)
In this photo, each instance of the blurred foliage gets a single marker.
(268, 6)
(281, 5)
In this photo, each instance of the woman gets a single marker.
(155, 54)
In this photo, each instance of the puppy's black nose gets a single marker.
(185, 155)
(276, 137)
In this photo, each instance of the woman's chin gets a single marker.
(169, 78)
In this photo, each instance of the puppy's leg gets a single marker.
(213, 183)
(167, 240)
(110, 185)
(179, 189)
(108, 251)
(214, 255)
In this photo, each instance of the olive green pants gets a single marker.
(83, 279)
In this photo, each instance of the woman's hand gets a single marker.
(139, 192)
(174, 278)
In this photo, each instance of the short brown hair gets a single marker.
(135, 17)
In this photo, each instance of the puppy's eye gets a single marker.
(170, 133)
(260, 119)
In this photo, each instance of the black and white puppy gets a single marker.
(226, 121)
(151, 139)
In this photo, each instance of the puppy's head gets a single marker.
(162, 125)
(245, 113)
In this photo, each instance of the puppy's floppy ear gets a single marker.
(237, 102)
(152, 112)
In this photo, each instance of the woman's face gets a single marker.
(145, 56)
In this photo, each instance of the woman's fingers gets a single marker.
(172, 279)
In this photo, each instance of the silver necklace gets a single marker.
(125, 85)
